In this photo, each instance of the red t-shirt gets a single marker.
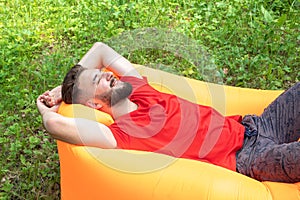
(167, 124)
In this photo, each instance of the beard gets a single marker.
(116, 94)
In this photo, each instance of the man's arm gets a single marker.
(102, 56)
(75, 130)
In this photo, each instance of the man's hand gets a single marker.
(52, 98)
(49, 100)
(43, 106)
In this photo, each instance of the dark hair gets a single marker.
(70, 91)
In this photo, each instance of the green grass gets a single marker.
(244, 43)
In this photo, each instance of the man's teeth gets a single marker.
(112, 82)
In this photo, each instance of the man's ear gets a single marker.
(94, 105)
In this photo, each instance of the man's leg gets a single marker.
(280, 163)
(277, 151)
(282, 117)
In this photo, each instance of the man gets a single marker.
(264, 147)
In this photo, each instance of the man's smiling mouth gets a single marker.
(113, 82)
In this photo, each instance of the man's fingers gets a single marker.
(46, 93)
(56, 94)
(40, 104)
(51, 98)
(54, 108)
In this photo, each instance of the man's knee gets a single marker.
(280, 163)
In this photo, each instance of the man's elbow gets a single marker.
(100, 45)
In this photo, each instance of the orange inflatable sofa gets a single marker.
(112, 174)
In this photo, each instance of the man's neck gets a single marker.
(121, 108)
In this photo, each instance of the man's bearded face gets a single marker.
(117, 93)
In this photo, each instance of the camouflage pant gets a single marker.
(273, 153)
